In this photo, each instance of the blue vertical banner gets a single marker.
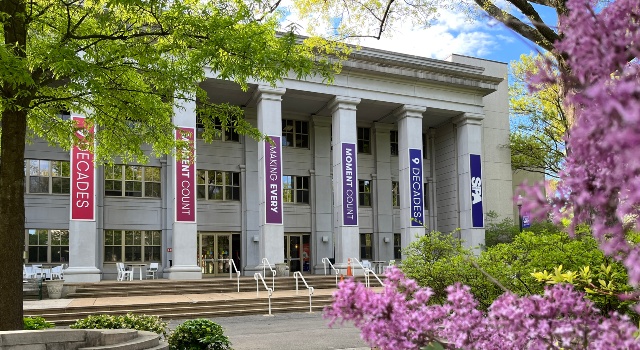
(349, 185)
(526, 220)
(415, 187)
(477, 215)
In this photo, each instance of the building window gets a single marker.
(132, 181)
(47, 246)
(220, 133)
(364, 140)
(132, 246)
(393, 136)
(364, 190)
(295, 189)
(397, 246)
(424, 146)
(395, 193)
(425, 192)
(295, 133)
(218, 185)
(47, 176)
(366, 246)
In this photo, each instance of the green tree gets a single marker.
(124, 64)
(539, 124)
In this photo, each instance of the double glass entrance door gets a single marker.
(215, 250)
(296, 252)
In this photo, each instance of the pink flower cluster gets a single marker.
(600, 184)
(399, 317)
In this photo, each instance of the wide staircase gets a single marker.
(214, 297)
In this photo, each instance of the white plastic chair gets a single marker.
(366, 264)
(152, 270)
(56, 272)
(123, 273)
(27, 272)
(38, 272)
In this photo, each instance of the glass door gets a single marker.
(293, 252)
(214, 251)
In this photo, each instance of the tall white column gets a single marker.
(345, 178)
(271, 243)
(411, 173)
(469, 146)
(383, 215)
(321, 196)
(182, 182)
(83, 233)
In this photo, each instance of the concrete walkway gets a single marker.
(283, 331)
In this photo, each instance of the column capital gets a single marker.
(384, 127)
(409, 111)
(469, 118)
(267, 92)
(321, 121)
(343, 102)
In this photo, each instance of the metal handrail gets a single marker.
(368, 272)
(299, 274)
(258, 277)
(359, 263)
(324, 262)
(232, 266)
(265, 263)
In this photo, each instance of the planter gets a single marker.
(282, 270)
(54, 288)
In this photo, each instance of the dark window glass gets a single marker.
(397, 246)
(364, 140)
(393, 136)
(364, 189)
(366, 249)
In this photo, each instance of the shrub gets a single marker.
(129, 321)
(36, 323)
(199, 334)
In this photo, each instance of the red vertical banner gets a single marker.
(83, 196)
(185, 196)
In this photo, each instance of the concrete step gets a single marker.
(183, 310)
(143, 341)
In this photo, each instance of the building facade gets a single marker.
(397, 145)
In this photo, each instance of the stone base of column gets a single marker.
(183, 272)
(82, 275)
(473, 238)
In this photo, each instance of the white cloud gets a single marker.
(451, 33)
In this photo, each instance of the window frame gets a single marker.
(364, 248)
(125, 181)
(394, 143)
(48, 175)
(297, 189)
(227, 134)
(364, 140)
(395, 194)
(397, 248)
(297, 133)
(156, 249)
(362, 194)
(227, 188)
(49, 246)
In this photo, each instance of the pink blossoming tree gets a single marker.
(600, 185)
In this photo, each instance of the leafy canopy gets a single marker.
(124, 63)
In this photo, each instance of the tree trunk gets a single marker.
(14, 126)
(17, 96)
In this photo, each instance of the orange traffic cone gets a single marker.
(349, 273)
(341, 278)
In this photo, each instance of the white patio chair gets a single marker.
(38, 271)
(123, 273)
(27, 272)
(56, 272)
(366, 264)
(152, 270)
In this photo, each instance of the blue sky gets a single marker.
(455, 33)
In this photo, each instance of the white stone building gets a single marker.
(393, 138)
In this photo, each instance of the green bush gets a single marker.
(129, 321)
(438, 260)
(36, 323)
(199, 334)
